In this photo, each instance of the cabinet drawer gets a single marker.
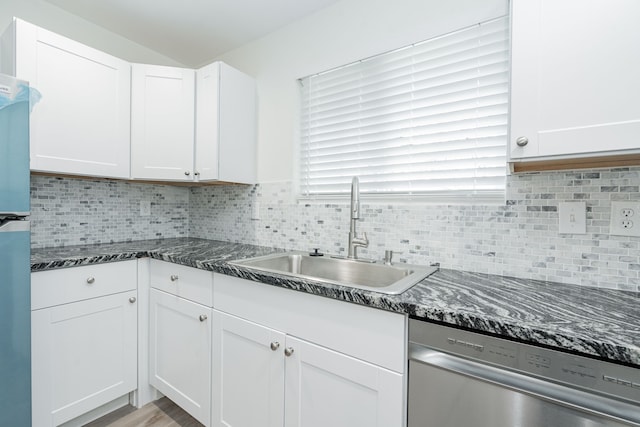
(186, 282)
(55, 287)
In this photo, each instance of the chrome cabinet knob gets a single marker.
(288, 351)
(196, 173)
(202, 317)
(174, 277)
(91, 280)
(132, 300)
(275, 345)
(521, 141)
(187, 173)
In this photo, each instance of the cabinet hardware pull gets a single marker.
(174, 277)
(90, 280)
(196, 173)
(203, 317)
(522, 141)
(275, 345)
(132, 300)
(187, 173)
(288, 351)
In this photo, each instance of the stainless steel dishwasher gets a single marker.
(459, 378)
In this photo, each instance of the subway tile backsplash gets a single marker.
(517, 238)
(71, 211)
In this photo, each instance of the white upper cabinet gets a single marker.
(162, 122)
(191, 125)
(574, 82)
(225, 147)
(81, 125)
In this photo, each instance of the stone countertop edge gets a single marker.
(601, 323)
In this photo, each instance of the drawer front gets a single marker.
(186, 282)
(55, 287)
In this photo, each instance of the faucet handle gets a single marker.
(361, 240)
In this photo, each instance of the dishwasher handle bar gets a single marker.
(550, 391)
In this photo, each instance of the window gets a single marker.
(429, 120)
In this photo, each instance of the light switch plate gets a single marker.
(255, 210)
(625, 218)
(145, 208)
(572, 217)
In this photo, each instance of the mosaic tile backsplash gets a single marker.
(518, 238)
(70, 211)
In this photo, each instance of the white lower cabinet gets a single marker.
(180, 336)
(285, 358)
(248, 364)
(180, 352)
(264, 378)
(327, 388)
(84, 335)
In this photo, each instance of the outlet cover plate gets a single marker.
(572, 218)
(625, 219)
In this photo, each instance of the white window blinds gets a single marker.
(429, 119)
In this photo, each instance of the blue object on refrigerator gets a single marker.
(15, 285)
(14, 151)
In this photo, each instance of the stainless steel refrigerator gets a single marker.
(15, 310)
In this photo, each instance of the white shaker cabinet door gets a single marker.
(248, 373)
(83, 356)
(180, 352)
(225, 125)
(327, 388)
(162, 122)
(81, 125)
(574, 81)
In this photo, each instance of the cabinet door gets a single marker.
(180, 352)
(81, 125)
(207, 122)
(83, 356)
(162, 122)
(248, 374)
(326, 388)
(574, 81)
(225, 124)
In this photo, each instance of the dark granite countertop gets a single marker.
(597, 322)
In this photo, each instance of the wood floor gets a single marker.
(161, 413)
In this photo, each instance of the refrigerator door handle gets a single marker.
(12, 226)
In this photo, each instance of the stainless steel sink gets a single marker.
(387, 279)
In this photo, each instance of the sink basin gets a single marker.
(388, 279)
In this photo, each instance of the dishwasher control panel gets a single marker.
(553, 365)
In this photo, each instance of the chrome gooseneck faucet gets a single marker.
(354, 240)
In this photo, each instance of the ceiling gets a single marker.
(191, 32)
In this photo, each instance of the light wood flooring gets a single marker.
(161, 413)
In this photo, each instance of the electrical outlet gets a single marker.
(627, 212)
(145, 208)
(625, 218)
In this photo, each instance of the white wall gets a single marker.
(345, 32)
(53, 18)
